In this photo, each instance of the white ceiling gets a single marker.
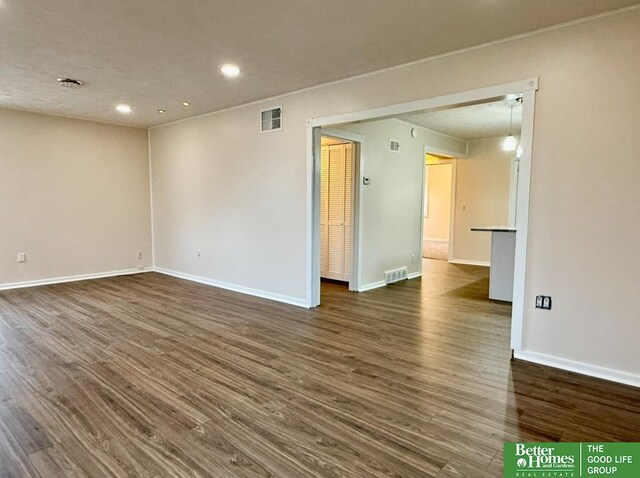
(487, 120)
(157, 53)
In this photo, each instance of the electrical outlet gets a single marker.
(413, 258)
(139, 254)
(198, 253)
(543, 302)
(22, 257)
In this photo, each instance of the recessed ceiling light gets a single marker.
(70, 83)
(230, 71)
(124, 109)
(161, 111)
(186, 103)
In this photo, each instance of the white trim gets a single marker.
(372, 285)
(452, 203)
(465, 262)
(424, 212)
(522, 220)
(412, 63)
(453, 100)
(74, 278)
(414, 275)
(233, 287)
(153, 241)
(579, 367)
(445, 152)
(525, 87)
(343, 134)
(356, 207)
(433, 239)
(310, 246)
(454, 182)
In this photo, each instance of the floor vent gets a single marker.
(395, 275)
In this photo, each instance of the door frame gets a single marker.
(526, 88)
(454, 165)
(356, 167)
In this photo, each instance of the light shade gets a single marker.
(510, 143)
(230, 71)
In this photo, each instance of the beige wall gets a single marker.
(74, 196)
(438, 214)
(482, 198)
(241, 195)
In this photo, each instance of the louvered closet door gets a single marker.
(335, 211)
(324, 209)
(348, 158)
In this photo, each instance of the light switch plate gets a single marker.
(22, 257)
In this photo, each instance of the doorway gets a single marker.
(439, 185)
(525, 89)
(336, 197)
(338, 206)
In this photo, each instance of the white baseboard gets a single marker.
(372, 285)
(60, 280)
(580, 367)
(413, 275)
(236, 288)
(470, 263)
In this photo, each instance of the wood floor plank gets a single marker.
(149, 375)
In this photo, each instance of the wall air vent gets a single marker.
(395, 275)
(271, 120)
(394, 145)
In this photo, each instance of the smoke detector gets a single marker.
(70, 83)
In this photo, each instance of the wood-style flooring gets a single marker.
(149, 375)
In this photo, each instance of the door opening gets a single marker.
(338, 173)
(336, 197)
(439, 185)
(318, 127)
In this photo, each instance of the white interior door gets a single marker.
(335, 211)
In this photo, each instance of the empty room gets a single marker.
(319, 239)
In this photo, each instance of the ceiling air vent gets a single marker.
(271, 120)
(394, 145)
(70, 83)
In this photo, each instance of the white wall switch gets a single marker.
(139, 254)
(22, 257)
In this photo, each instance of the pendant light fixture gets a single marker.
(510, 143)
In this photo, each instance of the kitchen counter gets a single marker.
(503, 251)
(494, 229)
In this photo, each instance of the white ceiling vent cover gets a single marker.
(271, 120)
(395, 275)
(394, 145)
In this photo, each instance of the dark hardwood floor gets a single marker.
(148, 375)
